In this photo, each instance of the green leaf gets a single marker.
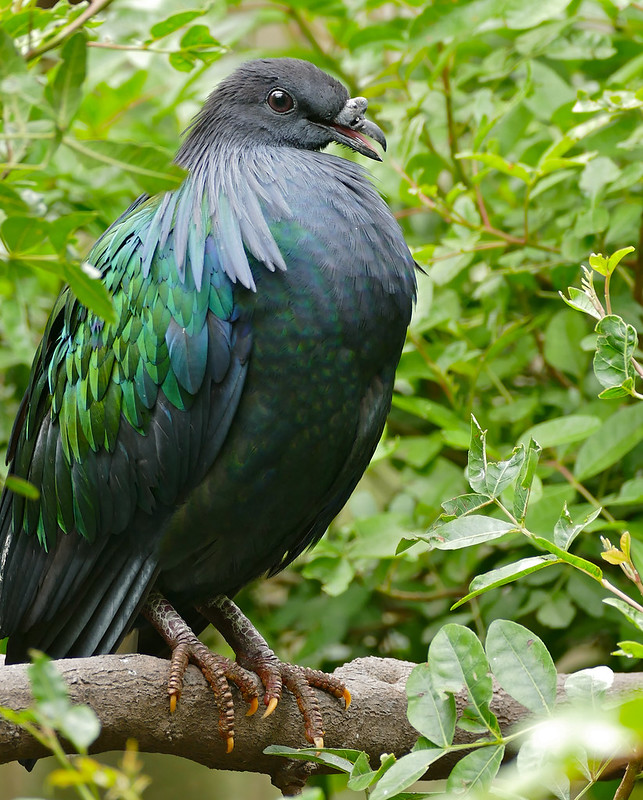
(90, 291)
(430, 710)
(501, 474)
(615, 347)
(457, 659)
(405, 772)
(362, 776)
(629, 612)
(522, 665)
(587, 687)
(626, 389)
(617, 257)
(477, 463)
(598, 262)
(174, 22)
(605, 266)
(22, 234)
(11, 202)
(81, 726)
(522, 489)
(151, 167)
(565, 530)
(580, 301)
(563, 430)
(616, 437)
(535, 761)
(556, 611)
(476, 770)
(198, 36)
(502, 575)
(340, 759)
(465, 504)
(182, 61)
(467, 531)
(429, 410)
(63, 229)
(580, 563)
(22, 487)
(493, 160)
(49, 690)
(64, 94)
(562, 350)
(11, 61)
(629, 650)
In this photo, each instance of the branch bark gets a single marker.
(128, 692)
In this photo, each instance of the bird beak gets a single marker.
(350, 128)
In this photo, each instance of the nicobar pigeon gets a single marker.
(211, 433)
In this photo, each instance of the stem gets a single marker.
(520, 528)
(629, 779)
(526, 212)
(439, 375)
(614, 590)
(421, 597)
(480, 199)
(579, 487)
(452, 217)
(453, 139)
(608, 301)
(7, 137)
(637, 291)
(92, 9)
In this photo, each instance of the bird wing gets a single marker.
(120, 420)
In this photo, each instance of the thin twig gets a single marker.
(614, 590)
(439, 378)
(482, 208)
(569, 477)
(92, 9)
(455, 219)
(421, 597)
(453, 138)
(629, 779)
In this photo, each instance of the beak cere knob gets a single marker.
(350, 128)
(353, 112)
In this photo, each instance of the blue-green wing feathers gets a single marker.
(120, 420)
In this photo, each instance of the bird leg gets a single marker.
(217, 670)
(253, 654)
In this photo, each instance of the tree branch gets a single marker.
(128, 692)
(64, 33)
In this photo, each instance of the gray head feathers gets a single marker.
(253, 161)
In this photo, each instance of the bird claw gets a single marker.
(254, 660)
(220, 672)
(270, 707)
(300, 681)
(254, 655)
(254, 705)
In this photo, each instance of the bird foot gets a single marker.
(219, 671)
(253, 654)
(276, 674)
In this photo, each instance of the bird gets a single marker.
(210, 433)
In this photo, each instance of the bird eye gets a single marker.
(280, 101)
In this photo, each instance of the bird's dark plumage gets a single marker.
(215, 429)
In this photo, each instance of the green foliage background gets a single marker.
(515, 142)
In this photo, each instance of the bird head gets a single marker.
(284, 102)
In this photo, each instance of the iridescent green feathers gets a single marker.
(91, 378)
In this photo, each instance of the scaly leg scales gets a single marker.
(253, 654)
(217, 670)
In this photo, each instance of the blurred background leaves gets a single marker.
(515, 150)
